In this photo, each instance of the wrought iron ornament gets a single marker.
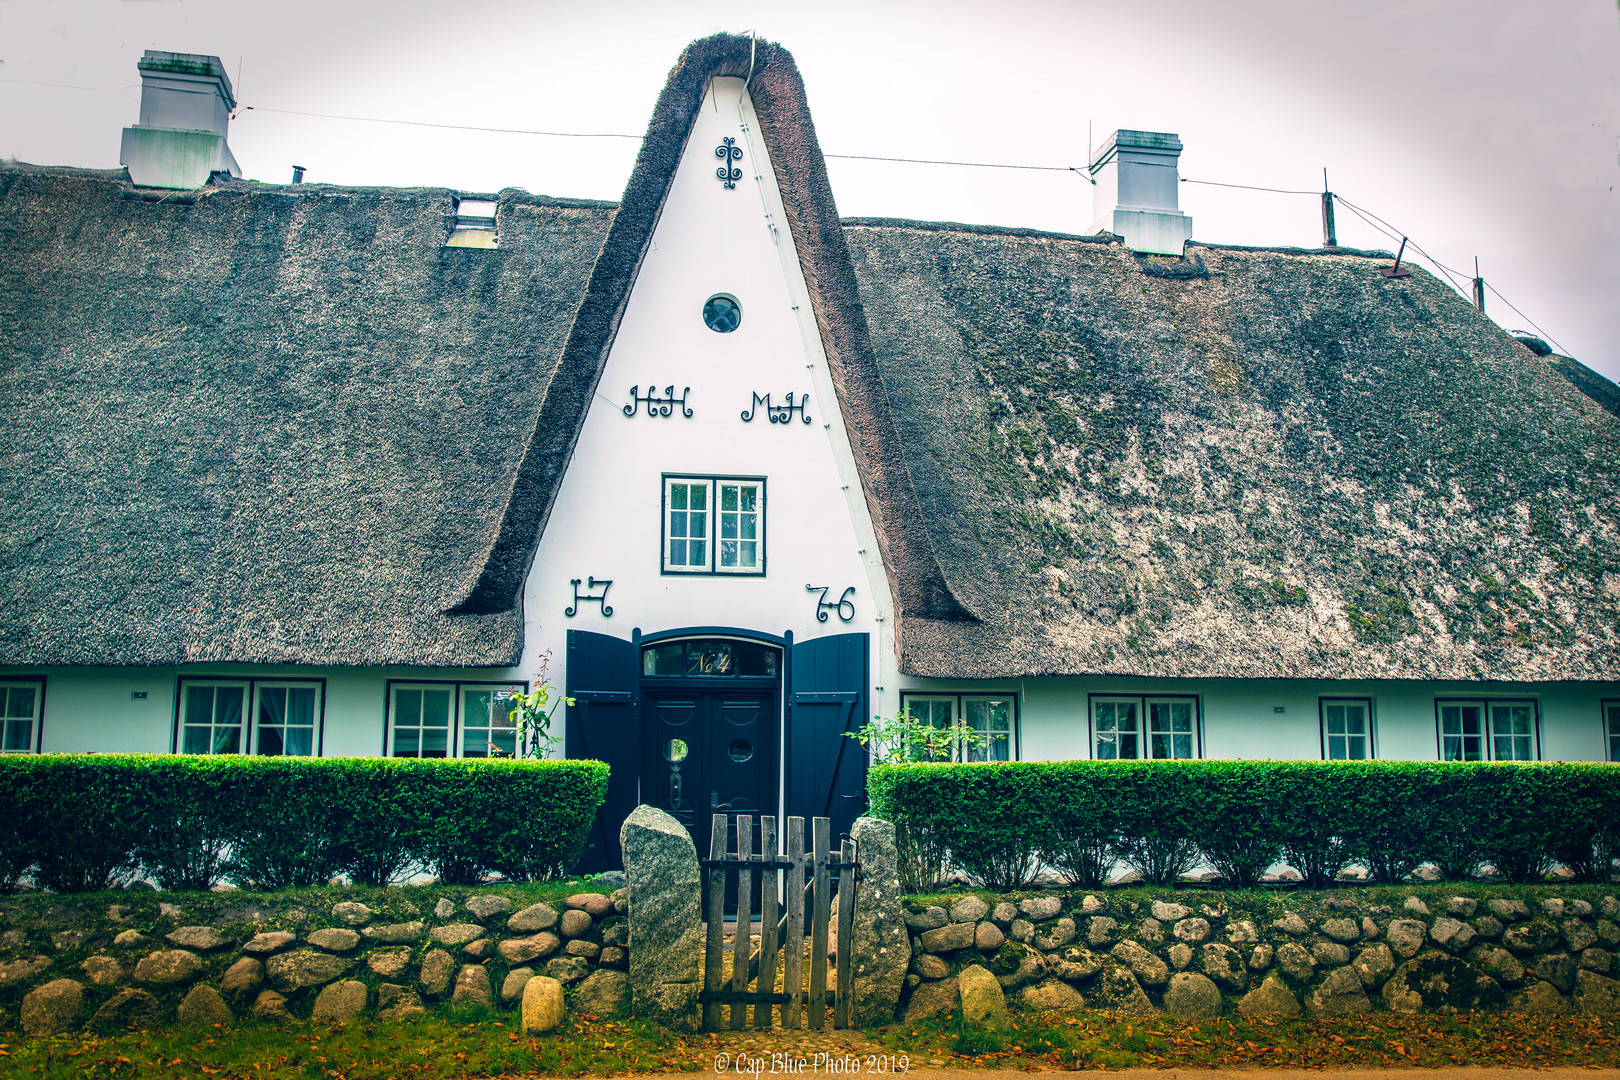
(591, 596)
(728, 151)
(844, 606)
(658, 406)
(779, 414)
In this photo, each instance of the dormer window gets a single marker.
(475, 224)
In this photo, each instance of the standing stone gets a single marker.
(472, 986)
(1339, 993)
(516, 979)
(203, 1007)
(542, 1008)
(983, 1002)
(52, 1008)
(604, 994)
(242, 980)
(880, 947)
(437, 968)
(127, 1010)
(1271, 998)
(666, 919)
(1191, 996)
(398, 1002)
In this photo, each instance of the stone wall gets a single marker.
(1276, 955)
(147, 959)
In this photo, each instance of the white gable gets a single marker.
(607, 523)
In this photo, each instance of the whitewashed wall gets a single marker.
(606, 521)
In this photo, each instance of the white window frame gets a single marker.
(9, 723)
(248, 732)
(715, 525)
(1145, 727)
(956, 706)
(1329, 736)
(318, 711)
(1610, 710)
(457, 718)
(1488, 735)
(499, 720)
(184, 719)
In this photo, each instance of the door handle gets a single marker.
(715, 803)
(675, 790)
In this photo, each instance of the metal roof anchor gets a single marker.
(1396, 271)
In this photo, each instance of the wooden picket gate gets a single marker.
(804, 879)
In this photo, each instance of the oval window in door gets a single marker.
(675, 750)
(740, 749)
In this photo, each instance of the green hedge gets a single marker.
(996, 821)
(79, 822)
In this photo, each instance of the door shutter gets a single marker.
(827, 695)
(604, 723)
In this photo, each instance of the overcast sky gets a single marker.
(1484, 128)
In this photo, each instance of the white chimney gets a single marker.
(186, 103)
(1137, 191)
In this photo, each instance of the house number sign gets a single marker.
(778, 414)
(589, 596)
(658, 406)
(844, 606)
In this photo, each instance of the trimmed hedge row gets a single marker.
(999, 821)
(81, 822)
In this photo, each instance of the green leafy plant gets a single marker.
(531, 714)
(905, 738)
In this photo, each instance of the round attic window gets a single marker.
(722, 313)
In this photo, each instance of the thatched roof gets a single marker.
(266, 423)
(1250, 463)
(287, 424)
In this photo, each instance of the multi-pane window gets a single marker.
(19, 716)
(1346, 729)
(1487, 730)
(1611, 728)
(437, 720)
(1156, 727)
(986, 722)
(212, 716)
(714, 525)
(286, 719)
(228, 716)
(487, 727)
